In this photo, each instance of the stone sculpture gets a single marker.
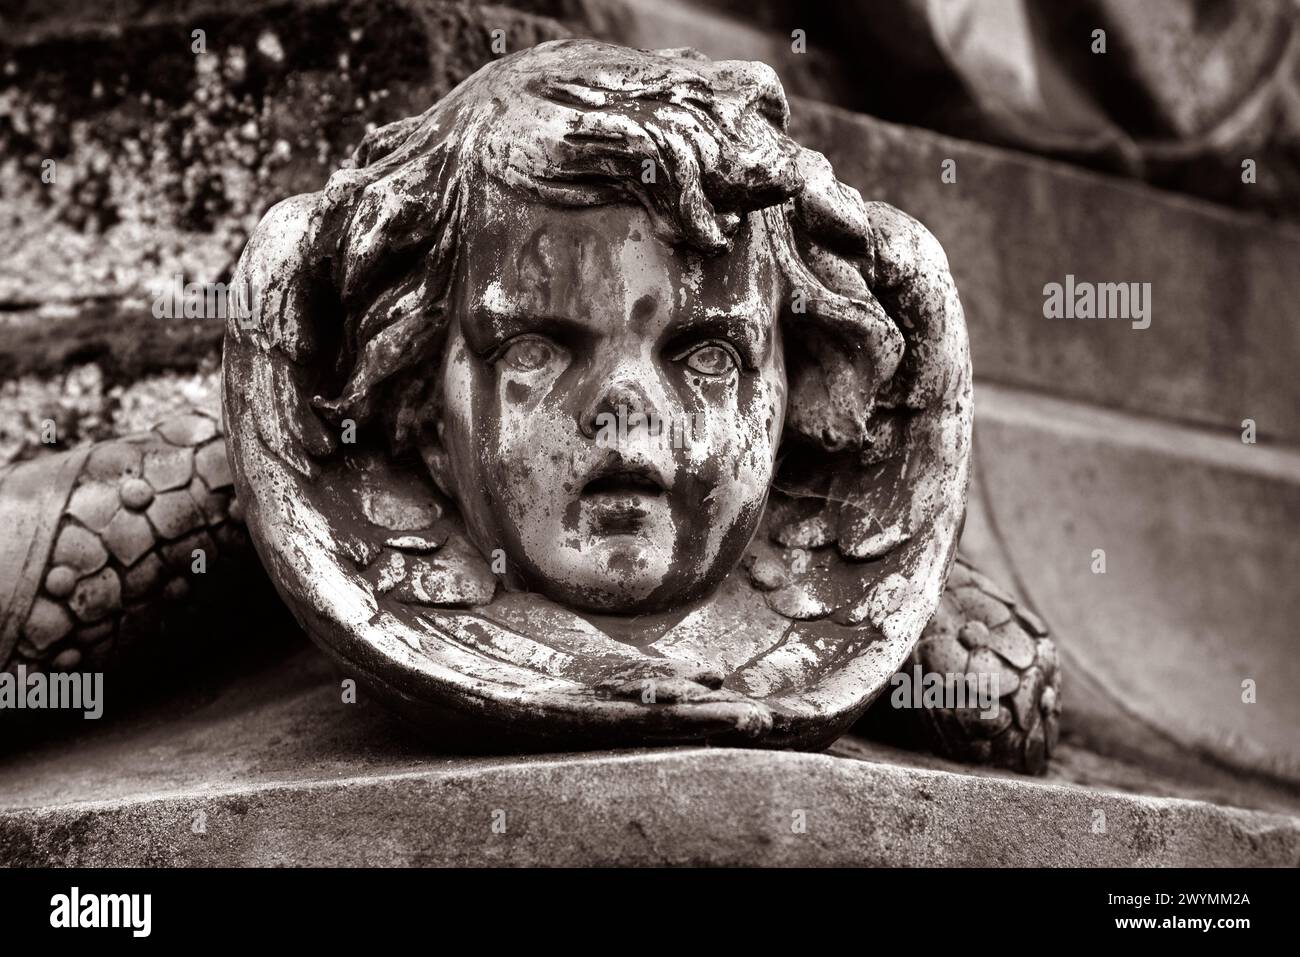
(588, 408)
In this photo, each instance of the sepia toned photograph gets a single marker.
(650, 434)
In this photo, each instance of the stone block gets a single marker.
(286, 773)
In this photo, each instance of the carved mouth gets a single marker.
(619, 499)
(624, 482)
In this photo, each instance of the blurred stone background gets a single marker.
(1117, 166)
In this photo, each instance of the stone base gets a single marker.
(275, 769)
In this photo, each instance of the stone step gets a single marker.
(1224, 330)
(275, 770)
(1197, 596)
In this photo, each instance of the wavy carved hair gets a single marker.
(572, 123)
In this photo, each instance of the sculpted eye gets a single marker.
(710, 359)
(528, 353)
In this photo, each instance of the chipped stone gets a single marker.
(799, 600)
(96, 596)
(886, 598)
(454, 579)
(113, 461)
(398, 503)
(767, 573)
(421, 544)
(816, 531)
(391, 570)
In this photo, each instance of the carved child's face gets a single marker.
(611, 404)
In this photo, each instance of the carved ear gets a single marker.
(840, 352)
(925, 408)
(831, 395)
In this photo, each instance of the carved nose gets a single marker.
(621, 398)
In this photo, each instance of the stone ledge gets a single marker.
(280, 772)
(671, 807)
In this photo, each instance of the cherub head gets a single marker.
(595, 290)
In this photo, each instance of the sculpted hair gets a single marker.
(575, 123)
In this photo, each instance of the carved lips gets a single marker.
(619, 498)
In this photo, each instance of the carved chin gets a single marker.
(621, 573)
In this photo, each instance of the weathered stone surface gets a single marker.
(1010, 223)
(128, 536)
(281, 95)
(79, 549)
(93, 504)
(285, 773)
(168, 468)
(113, 462)
(214, 467)
(187, 430)
(1218, 350)
(1198, 596)
(179, 555)
(142, 577)
(46, 624)
(136, 494)
(66, 660)
(173, 513)
(640, 535)
(96, 596)
(60, 581)
(94, 634)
